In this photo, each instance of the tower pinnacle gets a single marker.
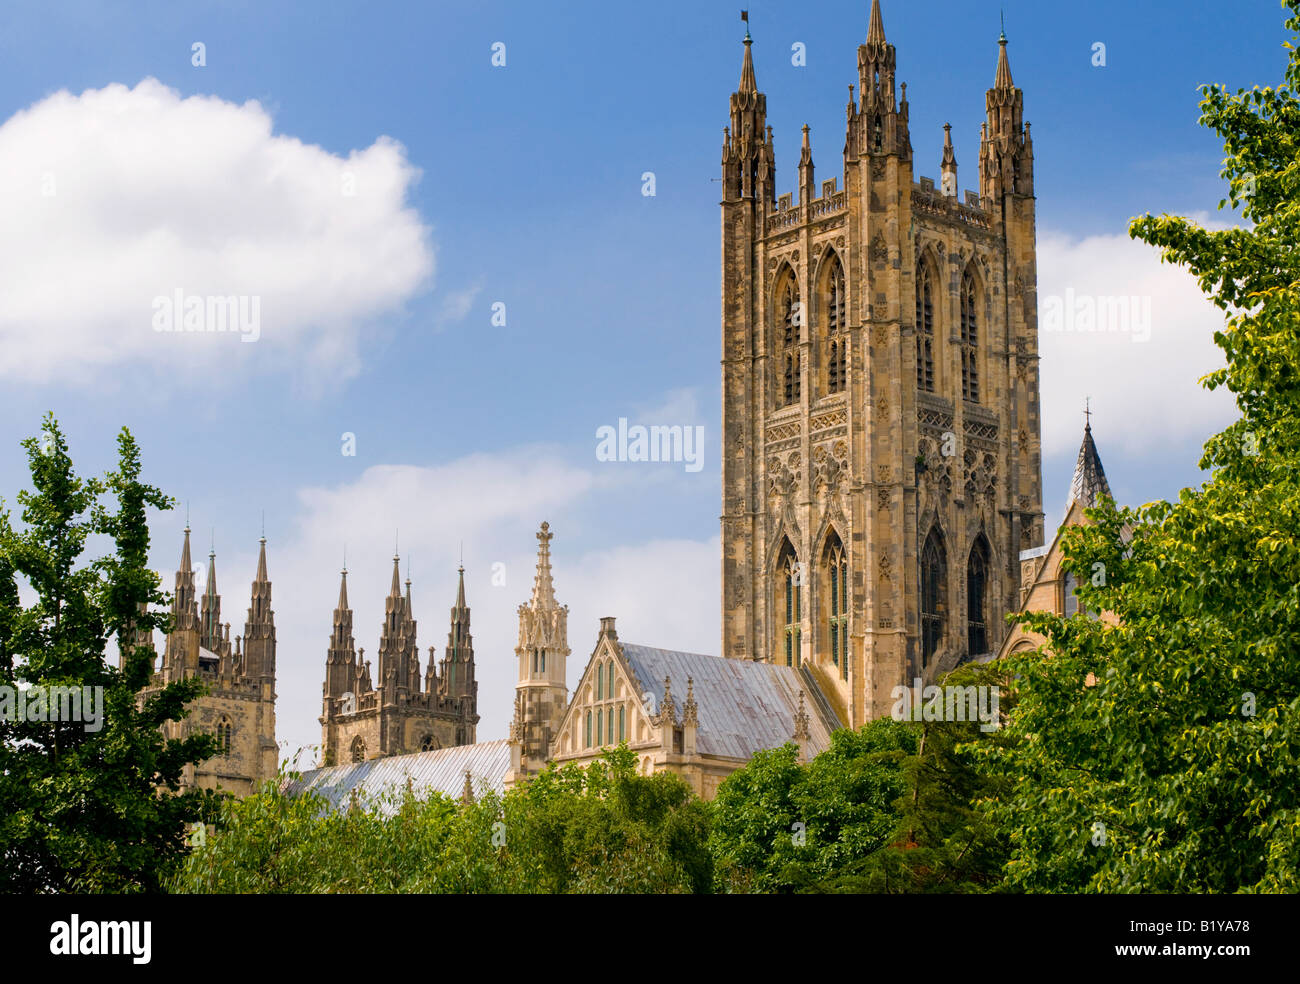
(1002, 80)
(876, 30)
(543, 588)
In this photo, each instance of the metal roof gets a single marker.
(440, 771)
(744, 706)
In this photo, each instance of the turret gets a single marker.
(341, 660)
(878, 123)
(259, 629)
(948, 166)
(1006, 152)
(458, 661)
(398, 654)
(748, 164)
(541, 694)
(181, 656)
(807, 188)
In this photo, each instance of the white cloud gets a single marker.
(663, 593)
(1145, 393)
(118, 196)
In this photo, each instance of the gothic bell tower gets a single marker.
(880, 393)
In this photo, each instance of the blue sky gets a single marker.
(528, 194)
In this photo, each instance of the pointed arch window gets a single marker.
(587, 744)
(791, 591)
(970, 378)
(837, 605)
(600, 721)
(934, 577)
(977, 576)
(621, 731)
(224, 732)
(358, 749)
(789, 319)
(924, 329)
(600, 681)
(833, 307)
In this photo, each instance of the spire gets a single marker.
(543, 587)
(1006, 157)
(949, 158)
(259, 628)
(460, 589)
(805, 152)
(210, 589)
(185, 552)
(343, 592)
(396, 590)
(1002, 80)
(876, 31)
(748, 84)
(1089, 482)
(210, 637)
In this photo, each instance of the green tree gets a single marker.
(603, 829)
(779, 826)
(79, 810)
(1175, 772)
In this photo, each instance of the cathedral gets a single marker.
(881, 486)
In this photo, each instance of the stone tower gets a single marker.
(542, 694)
(881, 465)
(239, 708)
(398, 710)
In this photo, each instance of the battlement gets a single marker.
(930, 202)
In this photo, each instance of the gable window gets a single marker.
(1071, 586)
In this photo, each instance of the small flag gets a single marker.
(744, 15)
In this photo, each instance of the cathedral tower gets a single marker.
(398, 711)
(239, 706)
(541, 695)
(880, 393)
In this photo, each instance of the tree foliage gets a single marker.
(79, 809)
(603, 829)
(1175, 772)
